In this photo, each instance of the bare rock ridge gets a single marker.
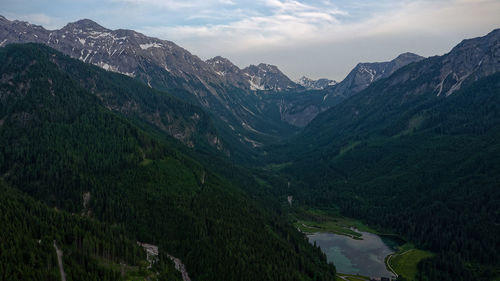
(300, 113)
(466, 62)
(268, 77)
(469, 60)
(319, 84)
(366, 73)
(128, 52)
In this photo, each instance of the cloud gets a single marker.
(284, 21)
(288, 25)
(47, 21)
(176, 5)
(333, 34)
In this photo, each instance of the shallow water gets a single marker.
(364, 257)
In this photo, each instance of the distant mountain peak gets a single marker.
(85, 25)
(319, 84)
(408, 55)
(366, 73)
(268, 77)
(219, 60)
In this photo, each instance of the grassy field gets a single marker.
(405, 261)
(312, 220)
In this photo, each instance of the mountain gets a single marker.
(124, 51)
(416, 153)
(147, 107)
(233, 74)
(228, 94)
(262, 77)
(319, 84)
(300, 107)
(268, 77)
(364, 74)
(67, 145)
(250, 107)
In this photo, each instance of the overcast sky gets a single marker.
(315, 38)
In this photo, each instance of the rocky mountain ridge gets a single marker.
(363, 74)
(229, 95)
(250, 106)
(319, 84)
(299, 112)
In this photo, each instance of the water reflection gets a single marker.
(364, 257)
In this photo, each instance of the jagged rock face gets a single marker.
(363, 75)
(319, 84)
(123, 51)
(469, 60)
(232, 74)
(134, 54)
(263, 77)
(268, 77)
(366, 73)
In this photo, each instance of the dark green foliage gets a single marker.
(29, 229)
(262, 127)
(425, 167)
(58, 141)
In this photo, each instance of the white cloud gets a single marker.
(287, 20)
(332, 34)
(175, 5)
(295, 25)
(37, 18)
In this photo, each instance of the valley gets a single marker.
(111, 137)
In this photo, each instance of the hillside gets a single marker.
(403, 156)
(60, 143)
(228, 94)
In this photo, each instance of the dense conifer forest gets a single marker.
(423, 167)
(59, 142)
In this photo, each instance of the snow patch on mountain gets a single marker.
(311, 84)
(150, 45)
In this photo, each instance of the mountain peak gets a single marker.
(268, 66)
(319, 84)
(219, 59)
(86, 25)
(408, 55)
(268, 77)
(224, 66)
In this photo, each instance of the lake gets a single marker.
(364, 257)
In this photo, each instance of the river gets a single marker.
(364, 257)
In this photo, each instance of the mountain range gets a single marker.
(250, 106)
(114, 133)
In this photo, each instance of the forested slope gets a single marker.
(60, 143)
(91, 250)
(422, 166)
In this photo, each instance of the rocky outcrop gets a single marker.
(319, 84)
